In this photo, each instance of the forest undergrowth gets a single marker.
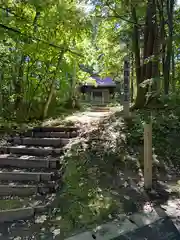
(102, 170)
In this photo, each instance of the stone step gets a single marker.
(16, 214)
(38, 201)
(33, 151)
(24, 190)
(24, 230)
(55, 129)
(50, 134)
(44, 142)
(26, 176)
(100, 109)
(7, 160)
(108, 231)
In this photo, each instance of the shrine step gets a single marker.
(8, 160)
(26, 176)
(23, 230)
(50, 134)
(16, 214)
(31, 171)
(100, 109)
(55, 129)
(44, 142)
(33, 151)
(25, 190)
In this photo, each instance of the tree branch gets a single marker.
(116, 15)
(38, 39)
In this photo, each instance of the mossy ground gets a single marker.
(12, 203)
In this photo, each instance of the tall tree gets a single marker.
(35, 34)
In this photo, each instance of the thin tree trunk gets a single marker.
(146, 69)
(18, 83)
(173, 73)
(160, 5)
(141, 92)
(156, 51)
(132, 78)
(52, 88)
(2, 102)
(170, 12)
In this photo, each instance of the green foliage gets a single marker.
(35, 33)
(165, 125)
(32, 36)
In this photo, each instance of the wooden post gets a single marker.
(148, 156)
(126, 86)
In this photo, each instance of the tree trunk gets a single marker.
(52, 88)
(136, 47)
(18, 83)
(173, 73)
(148, 18)
(150, 66)
(132, 77)
(3, 103)
(156, 52)
(145, 69)
(141, 92)
(170, 12)
(160, 5)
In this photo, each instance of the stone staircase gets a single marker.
(31, 171)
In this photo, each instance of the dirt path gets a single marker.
(100, 182)
(88, 117)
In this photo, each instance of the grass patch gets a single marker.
(7, 204)
(16, 202)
